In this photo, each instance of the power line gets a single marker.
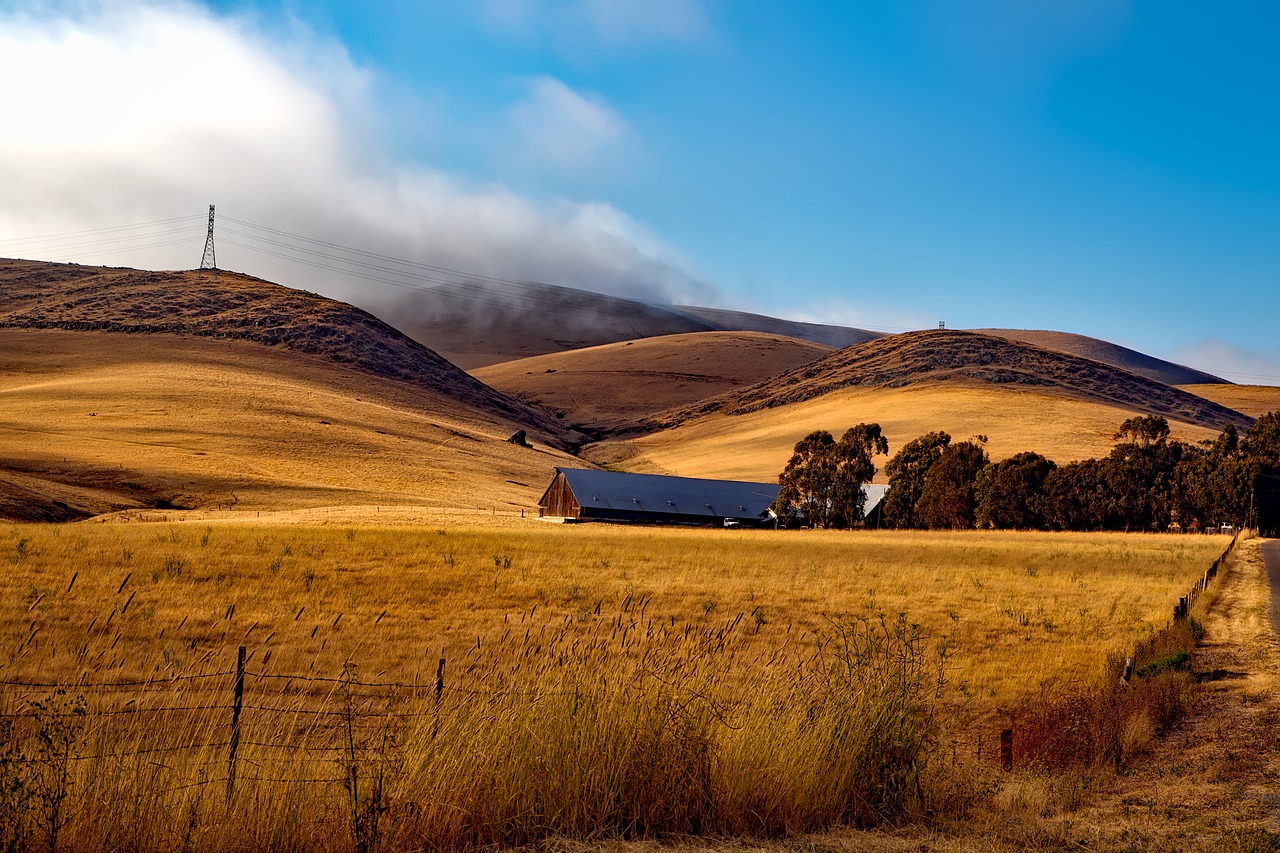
(99, 230)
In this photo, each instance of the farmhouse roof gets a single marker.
(685, 496)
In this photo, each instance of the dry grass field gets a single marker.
(553, 635)
(1014, 608)
(107, 421)
(1013, 419)
(607, 385)
(1252, 400)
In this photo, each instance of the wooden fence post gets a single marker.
(435, 724)
(236, 705)
(1006, 750)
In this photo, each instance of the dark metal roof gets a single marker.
(653, 493)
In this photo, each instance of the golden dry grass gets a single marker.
(214, 423)
(592, 671)
(756, 446)
(1252, 400)
(610, 384)
(1013, 608)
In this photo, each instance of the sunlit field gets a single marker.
(137, 600)
(630, 681)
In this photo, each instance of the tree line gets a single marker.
(1147, 482)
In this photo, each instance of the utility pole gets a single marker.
(208, 262)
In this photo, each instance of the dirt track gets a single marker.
(1214, 782)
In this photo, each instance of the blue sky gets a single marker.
(1095, 166)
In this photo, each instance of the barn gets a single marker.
(585, 494)
(580, 493)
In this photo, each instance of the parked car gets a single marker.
(732, 522)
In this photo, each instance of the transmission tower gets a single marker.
(208, 262)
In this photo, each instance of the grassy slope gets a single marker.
(965, 359)
(220, 305)
(1107, 353)
(103, 421)
(1252, 400)
(606, 385)
(756, 446)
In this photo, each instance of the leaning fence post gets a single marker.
(236, 705)
(1006, 750)
(435, 724)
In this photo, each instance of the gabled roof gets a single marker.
(875, 494)
(653, 493)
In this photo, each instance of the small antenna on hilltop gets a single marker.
(208, 262)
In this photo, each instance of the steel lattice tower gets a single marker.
(208, 262)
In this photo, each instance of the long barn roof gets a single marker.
(654, 493)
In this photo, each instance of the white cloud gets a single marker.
(560, 127)
(120, 113)
(1231, 362)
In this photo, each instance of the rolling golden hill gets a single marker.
(123, 389)
(1021, 397)
(1251, 400)
(600, 388)
(963, 358)
(222, 305)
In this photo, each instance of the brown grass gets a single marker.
(1252, 400)
(756, 446)
(611, 384)
(1014, 608)
(111, 420)
(599, 679)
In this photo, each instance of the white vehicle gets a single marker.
(732, 522)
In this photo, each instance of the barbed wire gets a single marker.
(111, 685)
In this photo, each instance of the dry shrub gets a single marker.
(607, 730)
(1106, 722)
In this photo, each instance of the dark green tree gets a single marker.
(1140, 474)
(907, 471)
(947, 499)
(1144, 431)
(1073, 497)
(823, 479)
(1261, 447)
(1214, 486)
(1010, 493)
(854, 467)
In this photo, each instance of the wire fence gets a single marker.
(237, 726)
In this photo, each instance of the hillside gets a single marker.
(477, 324)
(223, 305)
(756, 446)
(1021, 397)
(125, 390)
(598, 388)
(1108, 353)
(1252, 400)
(967, 358)
(96, 422)
(818, 333)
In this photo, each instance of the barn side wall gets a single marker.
(559, 501)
